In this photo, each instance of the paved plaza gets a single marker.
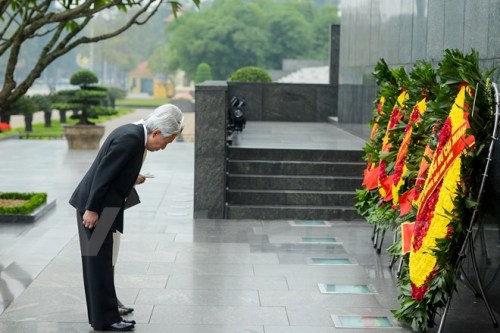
(183, 275)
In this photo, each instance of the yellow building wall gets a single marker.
(162, 89)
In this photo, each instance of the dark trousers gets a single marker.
(98, 278)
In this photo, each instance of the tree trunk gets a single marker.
(28, 122)
(62, 116)
(48, 119)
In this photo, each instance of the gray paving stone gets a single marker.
(198, 297)
(219, 315)
(226, 282)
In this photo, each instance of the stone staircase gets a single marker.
(274, 184)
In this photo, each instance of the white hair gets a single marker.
(167, 118)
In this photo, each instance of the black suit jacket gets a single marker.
(113, 173)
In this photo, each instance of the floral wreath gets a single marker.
(400, 167)
(433, 186)
(439, 193)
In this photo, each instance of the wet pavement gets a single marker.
(184, 275)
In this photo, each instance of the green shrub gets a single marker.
(34, 200)
(115, 93)
(203, 73)
(90, 101)
(83, 78)
(24, 105)
(250, 74)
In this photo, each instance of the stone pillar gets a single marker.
(334, 53)
(210, 145)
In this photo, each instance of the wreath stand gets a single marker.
(468, 244)
(378, 237)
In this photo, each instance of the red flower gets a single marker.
(4, 127)
(418, 292)
(382, 173)
(415, 115)
(424, 218)
(444, 135)
(398, 171)
(449, 232)
(395, 118)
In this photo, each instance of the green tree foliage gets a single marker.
(87, 102)
(132, 46)
(56, 27)
(203, 73)
(115, 93)
(324, 17)
(83, 79)
(25, 105)
(44, 102)
(231, 34)
(221, 35)
(250, 74)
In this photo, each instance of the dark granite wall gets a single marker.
(264, 102)
(402, 32)
(286, 102)
(209, 146)
(356, 103)
(334, 53)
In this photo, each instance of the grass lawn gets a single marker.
(41, 132)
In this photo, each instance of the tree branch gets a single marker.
(64, 46)
(7, 26)
(46, 58)
(131, 21)
(9, 83)
(36, 15)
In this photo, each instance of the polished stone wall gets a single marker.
(286, 102)
(334, 53)
(403, 31)
(209, 145)
(264, 102)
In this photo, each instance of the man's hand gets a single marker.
(140, 179)
(90, 219)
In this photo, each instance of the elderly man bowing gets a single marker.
(100, 199)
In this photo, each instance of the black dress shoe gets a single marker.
(129, 321)
(120, 326)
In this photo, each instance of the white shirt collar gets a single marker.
(145, 131)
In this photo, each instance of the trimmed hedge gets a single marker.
(34, 200)
(250, 74)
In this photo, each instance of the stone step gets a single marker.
(293, 198)
(296, 168)
(291, 182)
(261, 212)
(276, 154)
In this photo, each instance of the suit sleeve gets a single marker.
(119, 153)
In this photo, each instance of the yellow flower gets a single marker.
(423, 262)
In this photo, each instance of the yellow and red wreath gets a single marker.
(436, 200)
(400, 167)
